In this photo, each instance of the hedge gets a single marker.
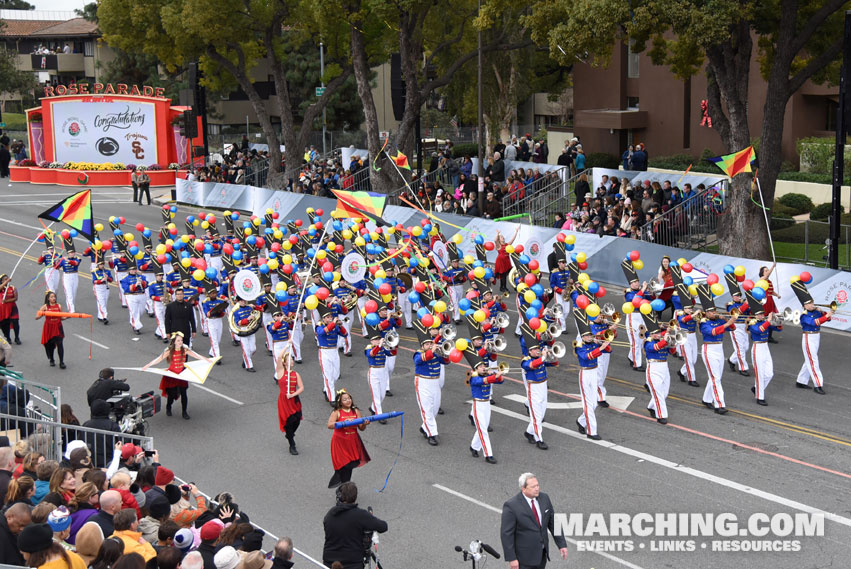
(811, 177)
(822, 211)
(470, 149)
(818, 232)
(781, 221)
(780, 210)
(602, 160)
(800, 203)
(15, 121)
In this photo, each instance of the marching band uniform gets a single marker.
(147, 269)
(266, 303)
(344, 341)
(633, 320)
(376, 357)
(427, 368)
(811, 322)
(712, 329)
(121, 266)
(389, 325)
(763, 366)
(405, 304)
(327, 333)
(535, 378)
(156, 292)
(134, 286)
(101, 277)
(683, 303)
(241, 316)
(51, 263)
(215, 322)
(559, 282)
(480, 384)
(739, 358)
(603, 361)
(587, 352)
(657, 376)
(455, 277)
(70, 278)
(279, 330)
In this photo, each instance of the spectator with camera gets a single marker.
(348, 530)
(105, 386)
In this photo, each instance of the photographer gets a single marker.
(105, 386)
(348, 530)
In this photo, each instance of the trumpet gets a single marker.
(498, 344)
(391, 339)
(501, 320)
(448, 332)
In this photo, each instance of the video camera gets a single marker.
(130, 412)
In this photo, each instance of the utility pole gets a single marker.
(839, 158)
(481, 130)
(322, 83)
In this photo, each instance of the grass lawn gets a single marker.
(795, 252)
(15, 121)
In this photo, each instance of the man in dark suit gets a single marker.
(180, 317)
(526, 518)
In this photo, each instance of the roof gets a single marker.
(73, 27)
(21, 28)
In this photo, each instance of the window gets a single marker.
(89, 49)
(632, 71)
(632, 103)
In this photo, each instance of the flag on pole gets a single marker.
(736, 163)
(361, 204)
(401, 160)
(74, 211)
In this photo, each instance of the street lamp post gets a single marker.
(322, 82)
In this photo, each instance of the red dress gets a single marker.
(668, 290)
(52, 325)
(177, 361)
(769, 305)
(8, 310)
(503, 261)
(346, 445)
(288, 407)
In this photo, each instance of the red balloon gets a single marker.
(560, 237)
(319, 225)
(298, 223)
(65, 234)
(140, 227)
(378, 230)
(373, 269)
(211, 219)
(687, 267)
(260, 243)
(420, 286)
(294, 239)
(199, 246)
(471, 275)
(427, 320)
(288, 269)
(133, 243)
(534, 324)
(472, 294)
(202, 264)
(806, 277)
(424, 221)
(600, 293)
(327, 267)
(518, 249)
(227, 249)
(320, 212)
(202, 216)
(107, 245)
(385, 289)
(121, 220)
(533, 265)
(275, 215)
(338, 248)
(582, 301)
(276, 247)
(168, 247)
(172, 231)
(455, 355)
(747, 284)
(371, 306)
(740, 278)
(322, 293)
(530, 279)
(634, 255)
(583, 265)
(636, 301)
(711, 279)
(161, 259)
(489, 246)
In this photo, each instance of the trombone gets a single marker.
(833, 306)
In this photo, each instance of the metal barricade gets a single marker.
(43, 401)
(691, 224)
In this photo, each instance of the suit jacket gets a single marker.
(522, 539)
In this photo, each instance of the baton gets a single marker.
(62, 314)
(358, 421)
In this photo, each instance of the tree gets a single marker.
(235, 41)
(15, 5)
(12, 80)
(89, 12)
(796, 42)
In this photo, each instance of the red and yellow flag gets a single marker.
(75, 211)
(360, 204)
(401, 160)
(736, 163)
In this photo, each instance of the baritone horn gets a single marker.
(554, 330)
(498, 344)
(556, 352)
(391, 339)
(448, 332)
(442, 350)
(556, 312)
(502, 320)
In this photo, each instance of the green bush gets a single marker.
(15, 121)
(811, 177)
(798, 202)
(779, 209)
(470, 149)
(781, 221)
(817, 233)
(602, 160)
(817, 154)
(822, 211)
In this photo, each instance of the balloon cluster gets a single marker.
(805, 277)
(635, 258)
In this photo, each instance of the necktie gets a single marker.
(535, 511)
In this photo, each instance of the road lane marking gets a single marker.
(613, 400)
(91, 341)
(727, 483)
(609, 556)
(207, 389)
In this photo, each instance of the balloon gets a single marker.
(281, 296)
(688, 281)
(763, 284)
(140, 227)
(529, 279)
(531, 312)
(311, 302)
(413, 297)
(427, 319)
(627, 308)
(322, 293)
(461, 344)
(133, 250)
(580, 257)
(806, 277)
(582, 301)
(534, 324)
(211, 273)
(509, 249)
(534, 265)
(717, 289)
(681, 261)
(162, 259)
(439, 306)
(747, 284)
(372, 319)
(455, 355)
(371, 306)
(658, 305)
(646, 309)
(264, 269)
(593, 287)
(542, 328)
(692, 290)
(479, 316)
(479, 272)
(739, 271)
(593, 310)
(198, 275)
(420, 287)
(729, 269)
(529, 296)
(489, 246)
(583, 277)
(570, 239)
(758, 293)
(711, 279)
(634, 256)
(386, 289)
(98, 227)
(601, 292)
(583, 265)
(538, 290)
(560, 237)
(638, 265)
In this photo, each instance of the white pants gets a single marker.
(215, 326)
(482, 417)
(215, 261)
(405, 307)
(149, 303)
(329, 363)
(345, 342)
(520, 316)
(763, 368)
(202, 319)
(361, 304)
(441, 380)
(689, 353)
(536, 399)
(266, 318)
(377, 379)
(428, 395)
(296, 337)
(565, 306)
(51, 278)
(249, 346)
(602, 372)
(159, 313)
(810, 369)
(659, 379)
(456, 294)
(739, 358)
(390, 364)
(102, 299)
(278, 348)
(713, 360)
(587, 387)
(119, 276)
(135, 308)
(636, 344)
(69, 283)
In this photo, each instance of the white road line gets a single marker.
(616, 402)
(207, 389)
(609, 556)
(91, 341)
(19, 224)
(687, 470)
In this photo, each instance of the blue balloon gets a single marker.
(281, 296)
(208, 249)
(377, 283)
(479, 240)
(118, 232)
(328, 276)
(426, 227)
(237, 255)
(234, 215)
(536, 304)
(74, 233)
(211, 273)
(673, 264)
(413, 297)
(173, 209)
(264, 268)
(251, 240)
(524, 258)
(538, 290)
(477, 263)
(146, 233)
(489, 273)
(311, 252)
(373, 319)
(313, 289)
(573, 257)
(464, 304)
(311, 232)
(729, 269)
(531, 312)
(269, 231)
(237, 246)
(191, 219)
(370, 249)
(133, 250)
(470, 312)
(246, 225)
(422, 312)
(186, 255)
(414, 262)
(688, 281)
(593, 287)
(338, 226)
(272, 255)
(432, 303)
(757, 293)
(658, 305)
(569, 247)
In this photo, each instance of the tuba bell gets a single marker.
(554, 330)
(502, 320)
(391, 339)
(448, 332)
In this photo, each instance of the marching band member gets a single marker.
(402, 296)
(121, 265)
(633, 320)
(342, 293)
(684, 312)
(146, 267)
(587, 352)
(763, 366)
(428, 363)
(480, 382)
(242, 315)
(279, 330)
(134, 286)
(598, 328)
(477, 343)
(70, 265)
(712, 329)
(157, 291)
(347, 449)
(389, 323)
(50, 261)
(657, 376)
(455, 277)
(535, 366)
(811, 322)
(215, 307)
(376, 376)
(739, 358)
(101, 277)
(560, 283)
(266, 303)
(294, 313)
(329, 359)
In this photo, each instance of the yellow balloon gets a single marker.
(529, 296)
(587, 284)
(308, 210)
(205, 224)
(98, 226)
(139, 255)
(522, 287)
(479, 272)
(321, 254)
(331, 246)
(185, 238)
(111, 218)
(794, 279)
(592, 310)
(391, 230)
(437, 322)
(739, 271)
(692, 290)
(185, 263)
(248, 231)
(580, 257)
(439, 306)
(425, 262)
(570, 239)
(386, 297)
(363, 312)
(338, 276)
(273, 264)
(347, 234)
(255, 221)
(286, 245)
(380, 274)
(360, 242)
(763, 284)
(287, 260)
(277, 234)
(461, 344)
(417, 231)
(638, 265)
(542, 327)
(171, 226)
(509, 249)
(645, 308)
(98, 245)
(583, 277)
(195, 223)
(198, 275)
(717, 289)
(627, 308)
(311, 302)
(373, 235)
(457, 238)
(169, 242)
(681, 261)
(433, 231)
(128, 237)
(160, 249)
(280, 286)
(479, 316)
(269, 210)
(469, 260)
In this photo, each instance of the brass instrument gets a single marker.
(506, 294)
(498, 344)
(503, 368)
(673, 339)
(448, 332)
(391, 339)
(607, 335)
(775, 319)
(254, 322)
(501, 320)
(166, 295)
(790, 315)
(555, 352)
(655, 286)
(832, 306)
(608, 309)
(554, 330)
(443, 349)
(555, 312)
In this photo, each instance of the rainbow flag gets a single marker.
(76, 212)
(361, 204)
(401, 160)
(736, 163)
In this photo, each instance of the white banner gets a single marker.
(99, 132)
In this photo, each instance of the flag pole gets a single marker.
(24, 254)
(765, 215)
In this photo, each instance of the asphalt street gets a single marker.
(787, 458)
